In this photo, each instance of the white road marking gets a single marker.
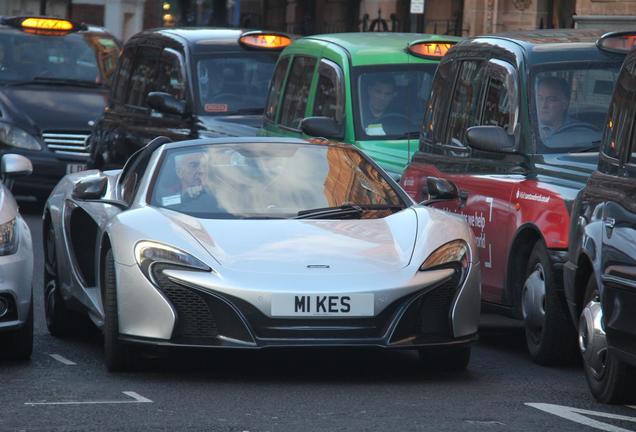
(580, 416)
(137, 398)
(63, 360)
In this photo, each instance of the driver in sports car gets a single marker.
(380, 94)
(553, 101)
(189, 192)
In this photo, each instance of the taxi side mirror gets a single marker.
(490, 138)
(166, 103)
(15, 165)
(323, 127)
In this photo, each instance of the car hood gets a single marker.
(237, 125)
(291, 246)
(37, 108)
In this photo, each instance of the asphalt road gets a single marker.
(66, 388)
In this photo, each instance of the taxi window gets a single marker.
(142, 76)
(233, 83)
(276, 88)
(622, 112)
(123, 75)
(84, 58)
(329, 100)
(500, 98)
(297, 91)
(571, 105)
(391, 99)
(464, 110)
(434, 125)
(170, 78)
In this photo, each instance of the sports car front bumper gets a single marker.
(180, 309)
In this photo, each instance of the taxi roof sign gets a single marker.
(265, 40)
(617, 42)
(43, 25)
(433, 50)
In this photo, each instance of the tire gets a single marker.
(449, 359)
(19, 344)
(615, 381)
(60, 320)
(550, 336)
(118, 356)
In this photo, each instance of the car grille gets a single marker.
(67, 143)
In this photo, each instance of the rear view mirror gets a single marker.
(490, 138)
(165, 103)
(14, 165)
(90, 188)
(441, 189)
(323, 127)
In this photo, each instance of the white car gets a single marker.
(16, 267)
(258, 242)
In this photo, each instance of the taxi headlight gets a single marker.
(8, 238)
(454, 253)
(15, 137)
(148, 253)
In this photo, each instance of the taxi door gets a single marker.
(485, 93)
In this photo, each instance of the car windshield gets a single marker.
(571, 102)
(86, 58)
(272, 180)
(233, 83)
(391, 100)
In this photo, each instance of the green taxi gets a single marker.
(365, 89)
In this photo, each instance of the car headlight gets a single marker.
(454, 253)
(8, 238)
(15, 137)
(148, 253)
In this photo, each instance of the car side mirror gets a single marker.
(490, 138)
(15, 165)
(441, 189)
(324, 127)
(166, 103)
(90, 188)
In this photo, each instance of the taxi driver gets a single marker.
(553, 99)
(381, 93)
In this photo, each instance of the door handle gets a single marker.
(609, 223)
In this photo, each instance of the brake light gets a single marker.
(430, 50)
(261, 40)
(618, 42)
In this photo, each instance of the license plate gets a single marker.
(75, 167)
(349, 305)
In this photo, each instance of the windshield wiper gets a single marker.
(343, 210)
(250, 110)
(409, 135)
(61, 81)
(594, 148)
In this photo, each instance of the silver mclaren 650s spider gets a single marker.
(254, 243)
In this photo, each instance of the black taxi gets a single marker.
(54, 81)
(510, 136)
(184, 84)
(600, 274)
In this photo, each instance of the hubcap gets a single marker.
(533, 300)
(592, 340)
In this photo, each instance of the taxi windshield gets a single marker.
(271, 180)
(84, 59)
(233, 83)
(391, 100)
(571, 103)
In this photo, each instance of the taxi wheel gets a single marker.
(610, 380)
(549, 334)
(451, 359)
(18, 345)
(59, 319)
(118, 356)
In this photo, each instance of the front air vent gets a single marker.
(67, 143)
